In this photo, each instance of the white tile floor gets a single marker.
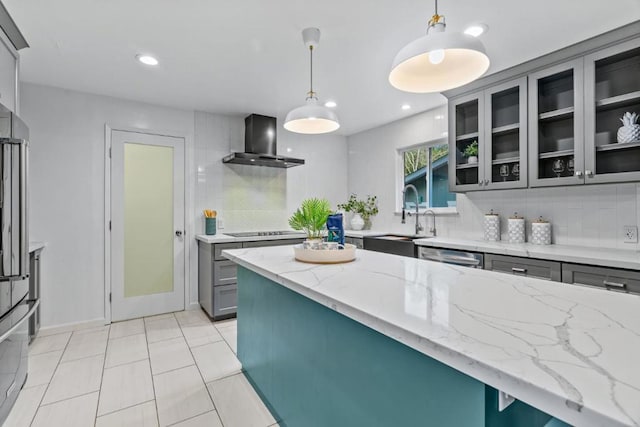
(176, 369)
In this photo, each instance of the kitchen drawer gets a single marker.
(225, 300)
(601, 277)
(219, 247)
(537, 268)
(225, 273)
(280, 242)
(354, 241)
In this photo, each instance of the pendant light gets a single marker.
(439, 60)
(311, 118)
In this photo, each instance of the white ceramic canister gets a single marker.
(516, 229)
(492, 227)
(541, 232)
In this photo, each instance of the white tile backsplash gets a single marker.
(251, 198)
(587, 215)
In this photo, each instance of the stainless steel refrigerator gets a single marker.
(16, 307)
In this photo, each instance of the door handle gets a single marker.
(178, 233)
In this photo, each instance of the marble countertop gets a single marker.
(224, 238)
(34, 246)
(570, 351)
(618, 258)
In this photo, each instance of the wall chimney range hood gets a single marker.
(260, 145)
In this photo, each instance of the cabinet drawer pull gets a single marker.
(519, 270)
(614, 284)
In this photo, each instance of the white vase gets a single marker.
(357, 222)
(472, 160)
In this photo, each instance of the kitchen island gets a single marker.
(390, 340)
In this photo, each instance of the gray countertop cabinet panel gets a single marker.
(607, 278)
(219, 247)
(541, 269)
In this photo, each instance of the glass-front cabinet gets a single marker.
(556, 143)
(488, 135)
(466, 143)
(505, 154)
(612, 97)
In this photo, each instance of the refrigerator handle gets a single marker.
(24, 238)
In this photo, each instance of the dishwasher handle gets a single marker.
(453, 259)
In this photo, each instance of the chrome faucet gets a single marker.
(419, 227)
(432, 230)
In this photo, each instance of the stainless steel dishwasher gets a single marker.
(451, 256)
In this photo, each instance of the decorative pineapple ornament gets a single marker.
(630, 131)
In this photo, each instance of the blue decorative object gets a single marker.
(335, 229)
(210, 226)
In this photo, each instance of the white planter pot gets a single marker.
(357, 223)
(472, 160)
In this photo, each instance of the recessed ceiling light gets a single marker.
(406, 107)
(439, 117)
(476, 30)
(330, 104)
(147, 59)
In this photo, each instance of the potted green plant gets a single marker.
(471, 152)
(362, 210)
(311, 218)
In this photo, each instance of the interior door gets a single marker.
(147, 224)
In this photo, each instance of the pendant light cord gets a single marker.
(311, 93)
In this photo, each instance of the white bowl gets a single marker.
(325, 256)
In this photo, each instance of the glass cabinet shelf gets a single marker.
(515, 127)
(560, 114)
(467, 166)
(612, 147)
(505, 160)
(552, 154)
(472, 135)
(618, 101)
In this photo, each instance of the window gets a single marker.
(427, 168)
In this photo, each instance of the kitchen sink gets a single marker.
(397, 244)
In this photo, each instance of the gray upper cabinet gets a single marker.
(505, 139)
(612, 87)
(8, 75)
(568, 119)
(466, 125)
(497, 119)
(556, 126)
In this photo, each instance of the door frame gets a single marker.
(108, 129)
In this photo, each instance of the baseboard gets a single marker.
(69, 327)
(193, 306)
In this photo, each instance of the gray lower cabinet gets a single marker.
(217, 276)
(359, 242)
(540, 269)
(601, 277)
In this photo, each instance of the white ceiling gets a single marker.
(244, 56)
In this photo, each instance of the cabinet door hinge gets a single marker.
(109, 225)
(109, 296)
(109, 152)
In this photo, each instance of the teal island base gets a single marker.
(315, 367)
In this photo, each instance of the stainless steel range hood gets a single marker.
(260, 145)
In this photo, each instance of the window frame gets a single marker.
(400, 178)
